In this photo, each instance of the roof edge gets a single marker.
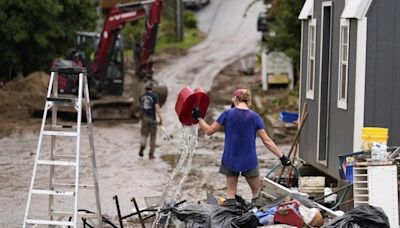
(356, 9)
(307, 10)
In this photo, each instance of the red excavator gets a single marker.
(102, 54)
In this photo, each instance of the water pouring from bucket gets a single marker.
(188, 100)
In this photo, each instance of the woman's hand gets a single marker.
(285, 161)
(196, 114)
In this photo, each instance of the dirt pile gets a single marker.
(35, 83)
(16, 99)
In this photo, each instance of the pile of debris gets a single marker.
(239, 213)
(275, 206)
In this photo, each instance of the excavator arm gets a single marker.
(106, 68)
(118, 16)
(145, 65)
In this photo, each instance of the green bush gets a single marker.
(33, 33)
(167, 30)
(189, 19)
(132, 32)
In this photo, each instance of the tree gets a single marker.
(285, 28)
(34, 32)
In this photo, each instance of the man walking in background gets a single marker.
(150, 107)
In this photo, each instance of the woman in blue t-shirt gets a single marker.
(241, 125)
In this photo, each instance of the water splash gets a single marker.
(173, 187)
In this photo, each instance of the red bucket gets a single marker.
(189, 99)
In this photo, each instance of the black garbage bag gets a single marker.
(195, 215)
(365, 216)
(227, 218)
(211, 216)
(244, 205)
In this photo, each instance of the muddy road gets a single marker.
(120, 170)
(230, 36)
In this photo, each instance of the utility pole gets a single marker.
(179, 20)
(173, 9)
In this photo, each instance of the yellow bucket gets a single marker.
(373, 134)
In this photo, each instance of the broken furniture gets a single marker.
(368, 176)
(376, 184)
(273, 191)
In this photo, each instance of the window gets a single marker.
(311, 60)
(343, 64)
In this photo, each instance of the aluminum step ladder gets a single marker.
(55, 130)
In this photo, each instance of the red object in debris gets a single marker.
(286, 214)
(187, 101)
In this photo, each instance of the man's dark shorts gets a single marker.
(255, 172)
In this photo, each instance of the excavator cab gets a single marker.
(83, 55)
(113, 82)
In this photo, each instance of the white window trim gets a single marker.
(359, 99)
(310, 92)
(324, 4)
(342, 102)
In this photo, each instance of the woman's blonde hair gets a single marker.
(243, 95)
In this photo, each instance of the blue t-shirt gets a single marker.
(148, 103)
(241, 128)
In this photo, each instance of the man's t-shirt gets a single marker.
(148, 103)
(241, 128)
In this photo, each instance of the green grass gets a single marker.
(191, 38)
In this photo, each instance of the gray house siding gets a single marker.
(382, 87)
(340, 121)
(307, 138)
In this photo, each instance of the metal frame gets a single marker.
(138, 212)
